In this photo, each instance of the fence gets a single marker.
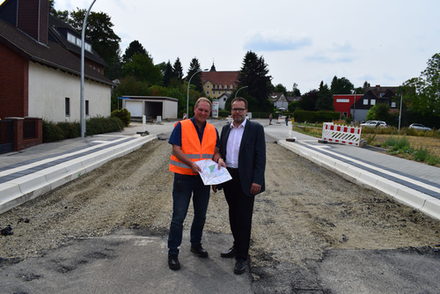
(341, 134)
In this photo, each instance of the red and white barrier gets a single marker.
(341, 134)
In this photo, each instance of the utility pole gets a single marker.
(82, 113)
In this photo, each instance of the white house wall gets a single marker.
(48, 89)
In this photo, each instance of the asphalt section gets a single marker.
(126, 262)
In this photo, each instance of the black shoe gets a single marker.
(240, 266)
(230, 253)
(198, 250)
(173, 262)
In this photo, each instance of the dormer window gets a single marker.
(77, 41)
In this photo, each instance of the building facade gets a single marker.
(356, 106)
(216, 83)
(40, 71)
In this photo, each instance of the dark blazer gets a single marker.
(251, 157)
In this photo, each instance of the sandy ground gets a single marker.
(305, 211)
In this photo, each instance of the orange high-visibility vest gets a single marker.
(192, 147)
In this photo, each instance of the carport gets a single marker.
(150, 106)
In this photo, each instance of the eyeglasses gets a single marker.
(238, 109)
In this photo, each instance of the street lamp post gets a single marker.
(239, 91)
(81, 95)
(354, 106)
(400, 111)
(187, 92)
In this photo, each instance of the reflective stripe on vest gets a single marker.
(193, 148)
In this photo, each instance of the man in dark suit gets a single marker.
(243, 150)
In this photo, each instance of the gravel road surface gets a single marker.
(306, 216)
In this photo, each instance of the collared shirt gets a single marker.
(176, 135)
(233, 144)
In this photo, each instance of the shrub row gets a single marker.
(315, 116)
(65, 130)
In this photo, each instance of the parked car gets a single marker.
(419, 127)
(374, 124)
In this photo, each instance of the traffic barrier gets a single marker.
(341, 134)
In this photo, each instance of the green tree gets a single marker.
(100, 34)
(194, 66)
(178, 70)
(128, 86)
(295, 91)
(422, 94)
(254, 74)
(379, 111)
(280, 89)
(308, 100)
(61, 14)
(168, 74)
(325, 98)
(341, 86)
(364, 87)
(133, 48)
(142, 68)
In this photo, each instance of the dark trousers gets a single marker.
(240, 214)
(183, 187)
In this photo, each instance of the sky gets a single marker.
(383, 42)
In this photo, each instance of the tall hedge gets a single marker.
(65, 130)
(315, 116)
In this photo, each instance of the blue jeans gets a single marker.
(183, 187)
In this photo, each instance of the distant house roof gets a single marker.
(380, 92)
(220, 77)
(57, 53)
(293, 98)
(274, 97)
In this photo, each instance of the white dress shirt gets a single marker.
(233, 144)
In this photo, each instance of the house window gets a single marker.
(393, 104)
(343, 100)
(373, 101)
(67, 106)
(87, 107)
(71, 38)
(365, 102)
(88, 47)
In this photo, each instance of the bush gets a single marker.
(52, 132)
(99, 125)
(399, 144)
(64, 130)
(123, 114)
(315, 116)
(70, 130)
(260, 114)
(223, 113)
